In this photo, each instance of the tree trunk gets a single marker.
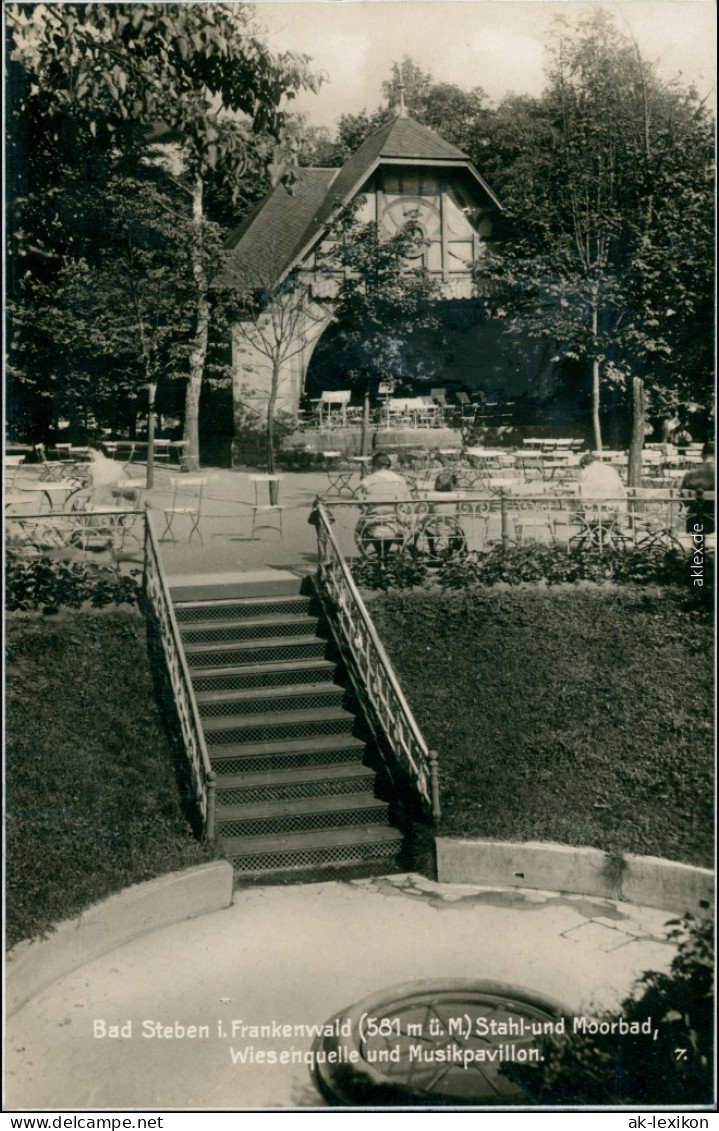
(596, 423)
(639, 413)
(271, 405)
(150, 478)
(198, 353)
(365, 425)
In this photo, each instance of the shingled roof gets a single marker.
(264, 243)
(283, 228)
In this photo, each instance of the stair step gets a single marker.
(262, 726)
(188, 612)
(317, 751)
(301, 814)
(351, 837)
(271, 674)
(258, 699)
(254, 651)
(249, 628)
(236, 585)
(300, 805)
(300, 775)
(303, 781)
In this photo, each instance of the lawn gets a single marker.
(92, 803)
(576, 714)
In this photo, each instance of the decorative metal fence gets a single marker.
(160, 605)
(102, 536)
(434, 525)
(370, 669)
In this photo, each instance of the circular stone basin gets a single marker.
(434, 1043)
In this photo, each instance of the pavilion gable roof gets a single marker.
(287, 224)
(262, 245)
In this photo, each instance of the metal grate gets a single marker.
(249, 630)
(218, 610)
(261, 653)
(342, 854)
(303, 822)
(270, 731)
(333, 696)
(243, 680)
(287, 760)
(289, 791)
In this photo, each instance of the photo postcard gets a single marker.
(359, 559)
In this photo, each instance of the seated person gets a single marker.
(447, 537)
(104, 475)
(599, 480)
(602, 490)
(700, 480)
(383, 484)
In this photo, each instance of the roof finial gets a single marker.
(401, 109)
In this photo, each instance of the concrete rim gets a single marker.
(649, 881)
(34, 964)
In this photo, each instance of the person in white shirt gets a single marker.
(104, 475)
(383, 535)
(599, 480)
(383, 482)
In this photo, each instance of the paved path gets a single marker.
(298, 955)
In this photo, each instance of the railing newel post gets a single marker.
(211, 779)
(504, 515)
(434, 783)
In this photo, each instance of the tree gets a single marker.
(412, 83)
(100, 78)
(274, 326)
(673, 1064)
(121, 316)
(384, 297)
(598, 188)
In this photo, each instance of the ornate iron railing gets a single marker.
(102, 536)
(160, 602)
(644, 519)
(370, 669)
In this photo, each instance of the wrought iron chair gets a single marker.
(265, 510)
(653, 519)
(50, 469)
(187, 494)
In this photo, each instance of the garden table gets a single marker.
(57, 492)
(363, 462)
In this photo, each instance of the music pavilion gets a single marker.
(403, 173)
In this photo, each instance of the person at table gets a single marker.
(700, 480)
(600, 482)
(383, 485)
(104, 475)
(383, 482)
(456, 543)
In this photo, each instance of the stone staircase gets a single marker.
(296, 787)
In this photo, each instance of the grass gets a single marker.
(92, 800)
(580, 715)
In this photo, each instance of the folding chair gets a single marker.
(260, 508)
(49, 470)
(187, 492)
(12, 466)
(467, 409)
